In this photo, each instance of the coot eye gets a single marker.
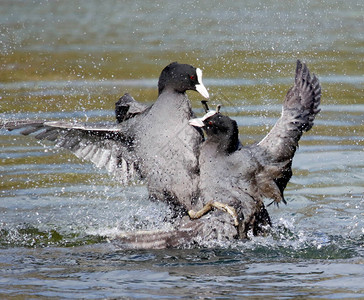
(210, 122)
(193, 77)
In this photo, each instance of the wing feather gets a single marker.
(105, 145)
(277, 149)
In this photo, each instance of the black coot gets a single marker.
(153, 143)
(157, 144)
(234, 179)
(241, 177)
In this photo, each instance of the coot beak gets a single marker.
(196, 122)
(200, 87)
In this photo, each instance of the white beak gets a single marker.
(202, 90)
(196, 122)
(200, 87)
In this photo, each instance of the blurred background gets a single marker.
(107, 49)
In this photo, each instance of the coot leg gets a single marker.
(215, 204)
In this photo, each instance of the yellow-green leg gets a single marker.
(215, 204)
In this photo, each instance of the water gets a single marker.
(63, 61)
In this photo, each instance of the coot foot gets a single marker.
(215, 204)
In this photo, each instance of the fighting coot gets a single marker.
(242, 176)
(234, 179)
(153, 143)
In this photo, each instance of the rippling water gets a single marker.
(72, 61)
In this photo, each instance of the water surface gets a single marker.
(72, 61)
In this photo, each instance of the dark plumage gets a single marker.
(157, 144)
(237, 178)
(127, 107)
(242, 177)
(153, 143)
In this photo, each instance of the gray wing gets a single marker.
(278, 148)
(104, 145)
(127, 107)
(185, 234)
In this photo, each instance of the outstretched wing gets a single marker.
(104, 145)
(278, 148)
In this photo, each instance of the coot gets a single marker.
(153, 143)
(235, 179)
(242, 176)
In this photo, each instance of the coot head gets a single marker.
(180, 78)
(219, 129)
